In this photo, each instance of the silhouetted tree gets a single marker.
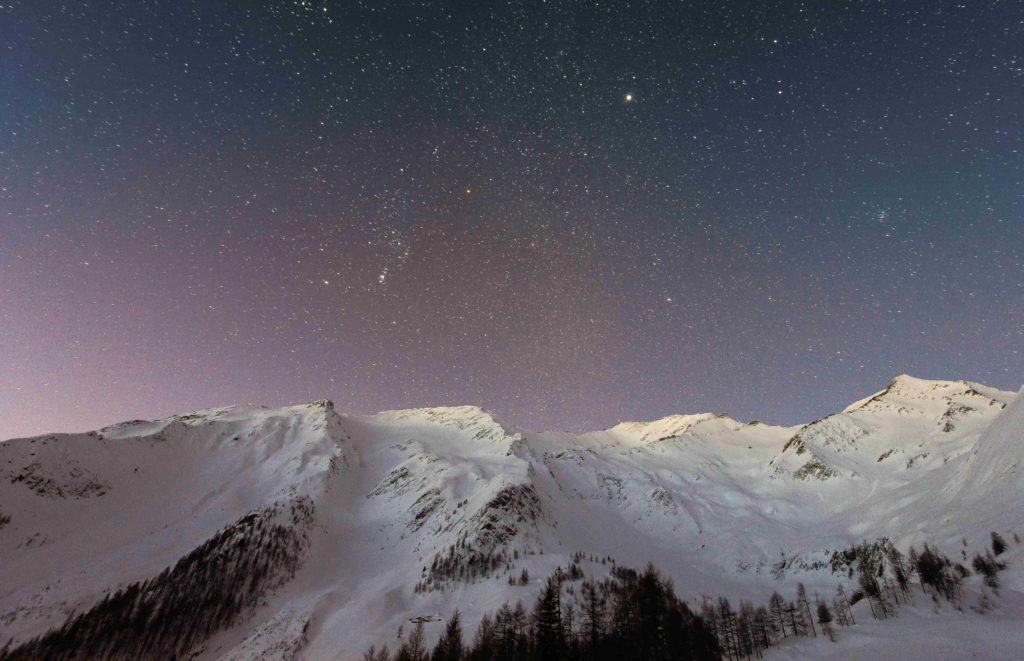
(900, 570)
(414, 649)
(593, 617)
(989, 568)
(484, 640)
(825, 620)
(547, 620)
(449, 647)
(935, 570)
(373, 654)
(842, 605)
(998, 543)
(777, 616)
(804, 605)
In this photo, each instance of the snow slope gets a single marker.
(416, 512)
(930, 629)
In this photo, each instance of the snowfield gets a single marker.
(413, 513)
(930, 629)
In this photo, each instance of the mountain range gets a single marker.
(331, 531)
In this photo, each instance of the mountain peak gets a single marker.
(439, 414)
(671, 425)
(911, 387)
(482, 424)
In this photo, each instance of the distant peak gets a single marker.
(463, 411)
(912, 387)
(904, 384)
(671, 425)
(673, 419)
(907, 381)
(451, 416)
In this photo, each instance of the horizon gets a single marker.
(501, 417)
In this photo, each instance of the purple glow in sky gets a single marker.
(568, 216)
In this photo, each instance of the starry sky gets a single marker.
(570, 213)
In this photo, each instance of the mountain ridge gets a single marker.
(419, 510)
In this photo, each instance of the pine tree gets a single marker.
(728, 637)
(504, 632)
(656, 609)
(825, 620)
(867, 578)
(569, 624)
(750, 642)
(934, 570)
(449, 647)
(989, 568)
(761, 627)
(485, 639)
(844, 605)
(998, 543)
(547, 620)
(777, 614)
(414, 649)
(900, 570)
(710, 619)
(593, 616)
(520, 623)
(805, 607)
(373, 654)
(890, 597)
(796, 617)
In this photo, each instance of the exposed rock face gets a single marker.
(59, 481)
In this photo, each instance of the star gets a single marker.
(532, 220)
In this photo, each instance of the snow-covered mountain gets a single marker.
(331, 530)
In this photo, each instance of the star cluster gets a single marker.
(571, 213)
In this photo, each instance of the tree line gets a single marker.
(637, 614)
(210, 589)
(513, 508)
(630, 614)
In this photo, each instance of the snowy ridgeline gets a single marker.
(270, 533)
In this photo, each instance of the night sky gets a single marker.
(570, 213)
